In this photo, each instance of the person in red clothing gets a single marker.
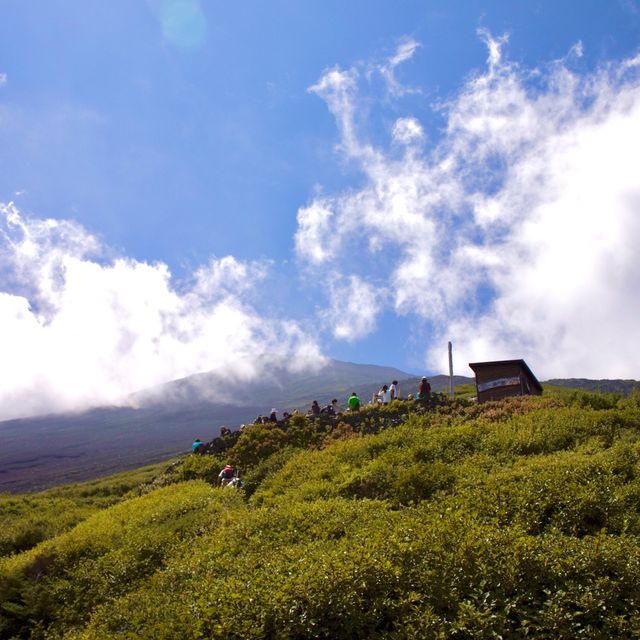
(424, 390)
(227, 475)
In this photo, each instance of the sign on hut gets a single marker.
(504, 378)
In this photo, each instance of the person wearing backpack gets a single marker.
(227, 475)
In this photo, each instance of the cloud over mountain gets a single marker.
(79, 327)
(514, 233)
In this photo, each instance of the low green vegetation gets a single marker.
(27, 520)
(511, 519)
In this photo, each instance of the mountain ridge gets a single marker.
(616, 385)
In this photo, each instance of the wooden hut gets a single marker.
(504, 378)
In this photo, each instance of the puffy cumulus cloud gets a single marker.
(407, 130)
(514, 234)
(77, 330)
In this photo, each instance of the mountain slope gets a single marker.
(44, 451)
(279, 387)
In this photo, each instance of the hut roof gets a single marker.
(521, 363)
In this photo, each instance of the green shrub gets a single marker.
(256, 443)
(200, 467)
(345, 569)
(29, 519)
(58, 582)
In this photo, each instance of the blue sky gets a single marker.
(190, 185)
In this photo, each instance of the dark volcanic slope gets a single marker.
(41, 452)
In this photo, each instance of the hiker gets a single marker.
(273, 416)
(315, 409)
(384, 395)
(354, 402)
(394, 390)
(197, 446)
(328, 410)
(227, 475)
(225, 431)
(337, 410)
(424, 390)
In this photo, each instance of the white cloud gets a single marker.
(515, 235)
(314, 238)
(405, 51)
(494, 47)
(407, 130)
(353, 307)
(3, 79)
(76, 331)
(338, 89)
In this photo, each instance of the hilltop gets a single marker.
(510, 519)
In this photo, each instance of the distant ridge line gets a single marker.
(625, 387)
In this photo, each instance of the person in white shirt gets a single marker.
(394, 390)
(385, 394)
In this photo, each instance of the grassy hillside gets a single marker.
(514, 519)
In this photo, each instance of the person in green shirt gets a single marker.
(354, 402)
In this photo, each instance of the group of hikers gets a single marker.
(229, 476)
(384, 395)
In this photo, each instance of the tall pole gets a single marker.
(450, 371)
